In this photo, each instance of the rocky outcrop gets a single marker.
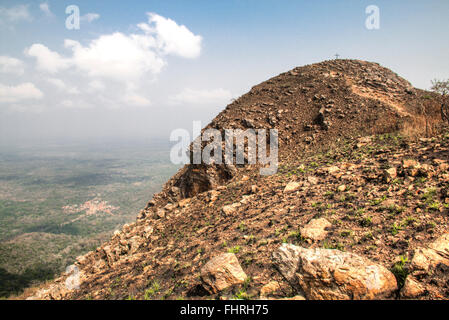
(384, 194)
(325, 274)
(195, 179)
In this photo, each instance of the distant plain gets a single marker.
(59, 201)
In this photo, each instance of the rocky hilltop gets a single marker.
(357, 210)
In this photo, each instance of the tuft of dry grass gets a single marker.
(420, 126)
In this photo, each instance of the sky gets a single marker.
(137, 70)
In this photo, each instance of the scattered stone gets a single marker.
(248, 123)
(170, 206)
(442, 165)
(231, 209)
(390, 174)
(222, 272)
(412, 288)
(297, 297)
(254, 189)
(312, 180)
(159, 214)
(363, 141)
(409, 163)
(316, 229)
(270, 289)
(333, 170)
(428, 258)
(213, 195)
(134, 244)
(184, 202)
(292, 186)
(148, 231)
(308, 139)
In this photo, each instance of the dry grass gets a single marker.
(419, 127)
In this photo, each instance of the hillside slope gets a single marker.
(352, 185)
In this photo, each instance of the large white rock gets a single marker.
(325, 274)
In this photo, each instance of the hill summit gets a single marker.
(358, 207)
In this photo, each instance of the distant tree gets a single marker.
(442, 87)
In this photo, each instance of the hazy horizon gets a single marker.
(136, 72)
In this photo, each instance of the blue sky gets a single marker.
(204, 53)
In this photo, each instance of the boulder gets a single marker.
(292, 186)
(411, 167)
(410, 163)
(332, 170)
(159, 214)
(325, 274)
(390, 174)
(222, 272)
(425, 259)
(270, 289)
(312, 180)
(412, 288)
(315, 229)
(230, 209)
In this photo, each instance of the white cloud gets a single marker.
(114, 68)
(73, 90)
(11, 65)
(96, 85)
(47, 60)
(116, 56)
(61, 85)
(89, 17)
(57, 83)
(172, 38)
(67, 103)
(123, 57)
(16, 13)
(45, 8)
(136, 100)
(201, 97)
(24, 91)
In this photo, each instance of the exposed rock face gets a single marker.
(196, 179)
(222, 272)
(316, 229)
(331, 274)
